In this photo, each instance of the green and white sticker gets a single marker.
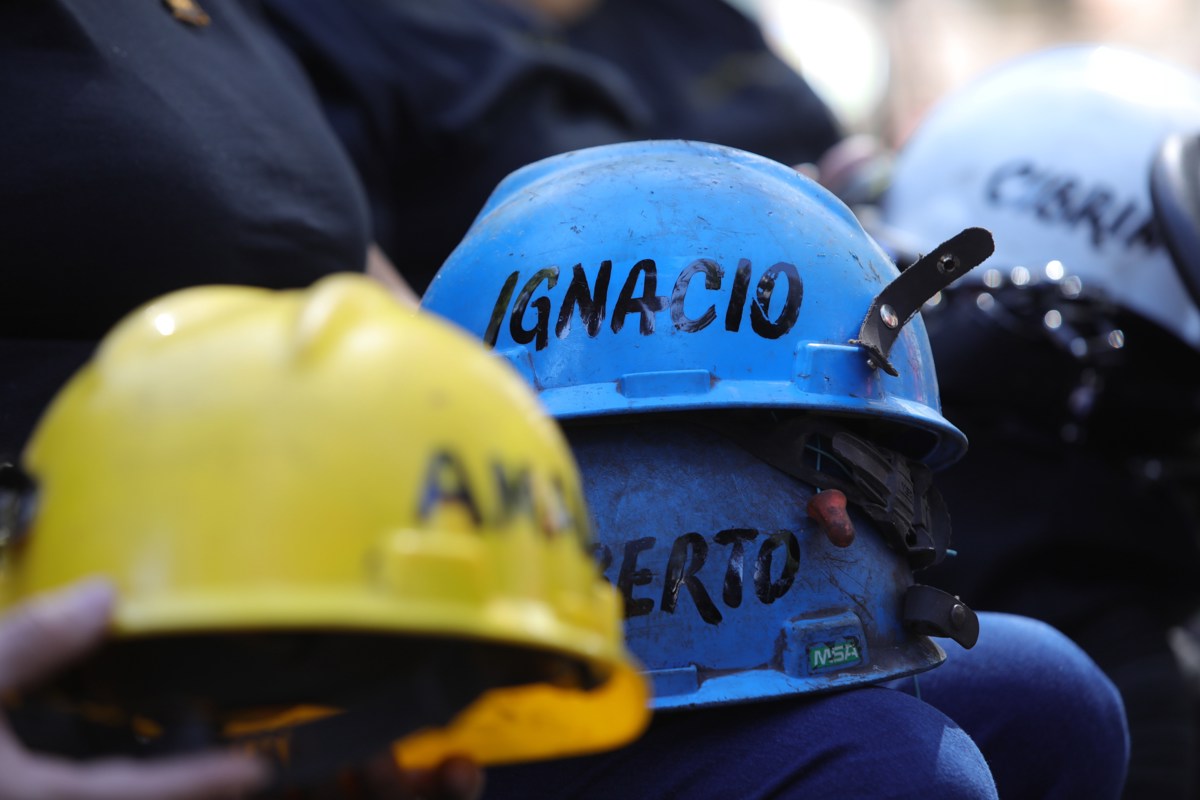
(837, 654)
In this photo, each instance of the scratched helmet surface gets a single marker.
(671, 275)
(688, 312)
(1052, 152)
(300, 477)
(735, 589)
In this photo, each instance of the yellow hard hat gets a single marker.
(356, 475)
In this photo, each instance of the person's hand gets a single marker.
(45, 634)
(381, 268)
(453, 779)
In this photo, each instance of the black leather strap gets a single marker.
(901, 299)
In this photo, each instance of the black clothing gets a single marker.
(705, 70)
(437, 102)
(1076, 503)
(143, 155)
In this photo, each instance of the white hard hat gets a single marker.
(1052, 152)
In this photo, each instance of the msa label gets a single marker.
(837, 654)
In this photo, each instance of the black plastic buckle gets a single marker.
(894, 491)
(900, 495)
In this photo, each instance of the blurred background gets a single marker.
(881, 63)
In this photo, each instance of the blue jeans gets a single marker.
(1024, 714)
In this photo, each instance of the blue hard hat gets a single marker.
(750, 395)
(733, 589)
(674, 275)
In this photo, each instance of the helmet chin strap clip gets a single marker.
(901, 299)
(933, 612)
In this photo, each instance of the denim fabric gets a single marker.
(1026, 702)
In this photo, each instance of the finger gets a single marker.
(456, 778)
(48, 631)
(380, 267)
(461, 779)
(198, 777)
(386, 780)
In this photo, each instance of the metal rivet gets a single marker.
(958, 615)
(947, 263)
(889, 317)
